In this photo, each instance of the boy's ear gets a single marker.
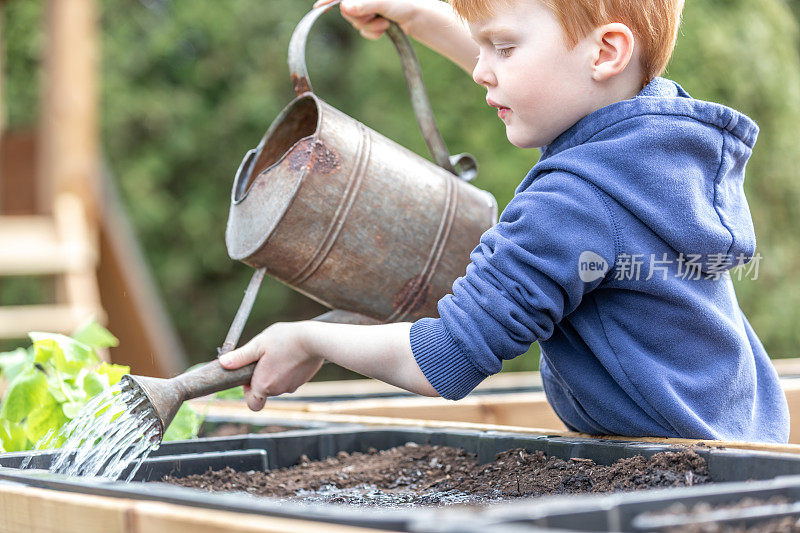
(613, 47)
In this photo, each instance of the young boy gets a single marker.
(615, 252)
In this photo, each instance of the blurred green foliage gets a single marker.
(190, 86)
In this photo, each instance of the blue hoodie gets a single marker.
(615, 255)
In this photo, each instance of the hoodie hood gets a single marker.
(676, 163)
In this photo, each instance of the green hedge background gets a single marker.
(190, 85)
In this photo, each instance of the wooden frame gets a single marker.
(27, 509)
(268, 415)
(519, 410)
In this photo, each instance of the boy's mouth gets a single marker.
(502, 111)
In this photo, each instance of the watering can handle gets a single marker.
(216, 378)
(413, 74)
(336, 316)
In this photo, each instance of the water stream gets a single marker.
(113, 430)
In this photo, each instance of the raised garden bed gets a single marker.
(510, 399)
(354, 396)
(518, 402)
(261, 453)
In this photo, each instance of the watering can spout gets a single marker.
(165, 396)
(157, 397)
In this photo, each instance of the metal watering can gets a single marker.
(344, 215)
(348, 217)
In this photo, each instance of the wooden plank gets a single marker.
(787, 367)
(519, 409)
(507, 380)
(242, 413)
(791, 387)
(40, 228)
(17, 320)
(18, 173)
(273, 415)
(69, 152)
(27, 510)
(30, 245)
(305, 395)
(78, 287)
(153, 517)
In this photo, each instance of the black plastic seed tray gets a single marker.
(720, 505)
(264, 452)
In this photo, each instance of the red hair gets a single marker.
(654, 23)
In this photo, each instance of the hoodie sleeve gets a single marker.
(555, 242)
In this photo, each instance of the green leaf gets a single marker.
(95, 383)
(185, 425)
(13, 437)
(93, 334)
(71, 409)
(55, 390)
(51, 439)
(16, 362)
(42, 420)
(67, 355)
(114, 372)
(63, 388)
(25, 395)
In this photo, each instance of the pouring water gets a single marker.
(124, 424)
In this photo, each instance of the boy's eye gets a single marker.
(504, 52)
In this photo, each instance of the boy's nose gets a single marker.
(483, 75)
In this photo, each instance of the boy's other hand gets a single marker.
(283, 362)
(371, 17)
(431, 22)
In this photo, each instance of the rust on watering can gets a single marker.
(350, 218)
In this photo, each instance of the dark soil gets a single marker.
(230, 429)
(419, 475)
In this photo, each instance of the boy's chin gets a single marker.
(523, 141)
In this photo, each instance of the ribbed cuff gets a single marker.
(442, 362)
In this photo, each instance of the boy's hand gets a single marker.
(431, 22)
(284, 362)
(289, 353)
(371, 17)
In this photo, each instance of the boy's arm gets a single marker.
(431, 22)
(289, 354)
(525, 276)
